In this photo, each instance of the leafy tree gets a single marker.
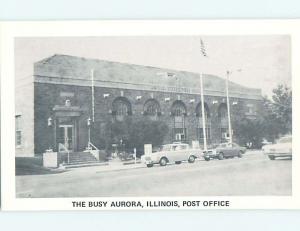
(135, 133)
(275, 119)
(146, 131)
(282, 107)
(250, 131)
(278, 113)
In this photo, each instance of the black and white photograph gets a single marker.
(153, 116)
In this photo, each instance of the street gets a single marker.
(254, 174)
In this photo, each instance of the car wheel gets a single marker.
(149, 165)
(177, 162)
(191, 159)
(163, 161)
(240, 155)
(207, 158)
(271, 157)
(221, 156)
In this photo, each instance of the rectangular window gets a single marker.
(66, 94)
(179, 122)
(250, 110)
(179, 129)
(200, 133)
(179, 134)
(224, 134)
(18, 127)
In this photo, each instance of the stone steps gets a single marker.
(79, 158)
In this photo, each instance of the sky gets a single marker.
(254, 61)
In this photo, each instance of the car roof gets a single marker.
(176, 144)
(223, 143)
(286, 136)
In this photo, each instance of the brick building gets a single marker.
(59, 105)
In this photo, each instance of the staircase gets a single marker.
(78, 159)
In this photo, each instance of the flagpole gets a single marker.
(228, 107)
(203, 51)
(203, 112)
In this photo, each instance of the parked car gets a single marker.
(265, 142)
(126, 156)
(282, 148)
(172, 153)
(224, 150)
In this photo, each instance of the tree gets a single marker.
(250, 131)
(146, 131)
(278, 113)
(275, 119)
(135, 133)
(282, 107)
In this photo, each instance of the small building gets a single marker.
(67, 96)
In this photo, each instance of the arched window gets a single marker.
(199, 110)
(178, 111)
(121, 108)
(178, 108)
(200, 123)
(152, 108)
(223, 121)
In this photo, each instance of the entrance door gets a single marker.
(65, 136)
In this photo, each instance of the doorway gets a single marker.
(66, 136)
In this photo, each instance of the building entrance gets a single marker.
(66, 137)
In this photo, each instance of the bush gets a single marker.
(135, 133)
(250, 131)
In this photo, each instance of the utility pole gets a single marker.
(89, 131)
(228, 107)
(93, 95)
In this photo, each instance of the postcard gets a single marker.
(192, 114)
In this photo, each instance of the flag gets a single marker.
(202, 47)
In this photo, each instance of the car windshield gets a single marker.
(180, 147)
(285, 140)
(224, 145)
(176, 147)
(165, 148)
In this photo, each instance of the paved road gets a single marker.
(253, 174)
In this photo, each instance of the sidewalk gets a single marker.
(121, 166)
(112, 165)
(117, 165)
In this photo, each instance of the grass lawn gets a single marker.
(33, 166)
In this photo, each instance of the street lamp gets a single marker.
(49, 122)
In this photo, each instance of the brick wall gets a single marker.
(46, 96)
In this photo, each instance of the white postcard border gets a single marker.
(10, 30)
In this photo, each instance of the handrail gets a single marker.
(60, 145)
(92, 145)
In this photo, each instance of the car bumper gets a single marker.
(210, 155)
(149, 161)
(277, 154)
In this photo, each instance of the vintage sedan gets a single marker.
(224, 150)
(282, 148)
(172, 153)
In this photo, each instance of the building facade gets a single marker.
(68, 97)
